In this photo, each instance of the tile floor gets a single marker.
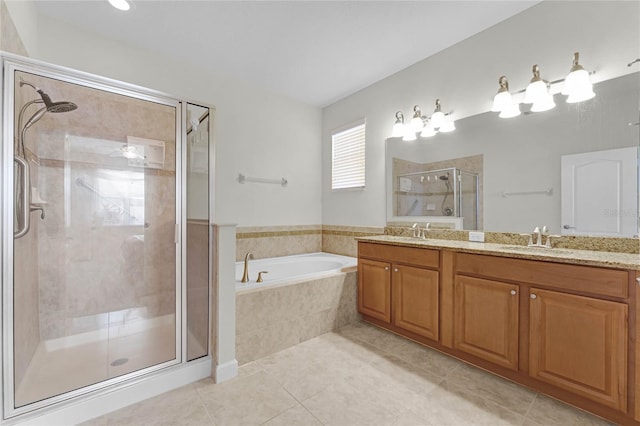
(359, 375)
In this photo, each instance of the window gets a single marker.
(347, 158)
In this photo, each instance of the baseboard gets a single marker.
(121, 396)
(226, 371)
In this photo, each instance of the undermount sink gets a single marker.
(534, 249)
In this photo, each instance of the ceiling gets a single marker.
(314, 51)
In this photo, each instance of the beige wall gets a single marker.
(10, 40)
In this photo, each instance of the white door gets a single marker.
(600, 193)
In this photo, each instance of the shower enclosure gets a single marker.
(95, 179)
(448, 196)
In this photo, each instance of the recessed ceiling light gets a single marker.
(120, 4)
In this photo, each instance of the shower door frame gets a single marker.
(11, 64)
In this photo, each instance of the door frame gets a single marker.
(10, 64)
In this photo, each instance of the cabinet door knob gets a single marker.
(533, 296)
(395, 269)
(513, 292)
(638, 280)
(386, 268)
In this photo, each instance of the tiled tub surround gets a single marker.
(269, 320)
(342, 239)
(605, 244)
(276, 241)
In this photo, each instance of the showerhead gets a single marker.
(63, 106)
(54, 107)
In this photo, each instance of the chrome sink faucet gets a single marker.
(245, 275)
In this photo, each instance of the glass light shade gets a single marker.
(513, 110)
(448, 125)
(409, 134)
(120, 4)
(544, 104)
(536, 92)
(578, 86)
(437, 119)
(398, 130)
(416, 124)
(428, 132)
(501, 101)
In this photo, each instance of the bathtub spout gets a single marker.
(245, 275)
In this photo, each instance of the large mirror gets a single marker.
(572, 168)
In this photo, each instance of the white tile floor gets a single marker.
(358, 376)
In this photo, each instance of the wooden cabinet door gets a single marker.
(374, 289)
(579, 344)
(415, 300)
(486, 320)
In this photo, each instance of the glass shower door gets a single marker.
(95, 278)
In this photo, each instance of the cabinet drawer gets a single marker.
(600, 281)
(396, 254)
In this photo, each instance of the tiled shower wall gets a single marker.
(87, 267)
(276, 241)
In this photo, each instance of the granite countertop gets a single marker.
(560, 255)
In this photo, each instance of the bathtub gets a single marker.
(290, 269)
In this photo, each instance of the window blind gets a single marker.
(347, 162)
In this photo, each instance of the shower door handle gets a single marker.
(25, 200)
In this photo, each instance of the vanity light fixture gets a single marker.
(577, 85)
(123, 5)
(428, 131)
(537, 93)
(420, 124)
(437, 119)
(448, 124)
(398, 127)
(416, 123)
(409, 134)
(503, 101)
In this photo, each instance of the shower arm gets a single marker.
(19, 130)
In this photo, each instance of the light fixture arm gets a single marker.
(536, 74)
(504, 84)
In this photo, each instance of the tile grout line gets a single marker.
(206, 409)
(530, 408)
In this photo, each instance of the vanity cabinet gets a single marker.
(579, 344)
(576, 342)
(399, 286)
(562, 329)
(415, 300)
(374, 289)
(486, 320)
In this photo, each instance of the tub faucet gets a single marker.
(245, 275)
